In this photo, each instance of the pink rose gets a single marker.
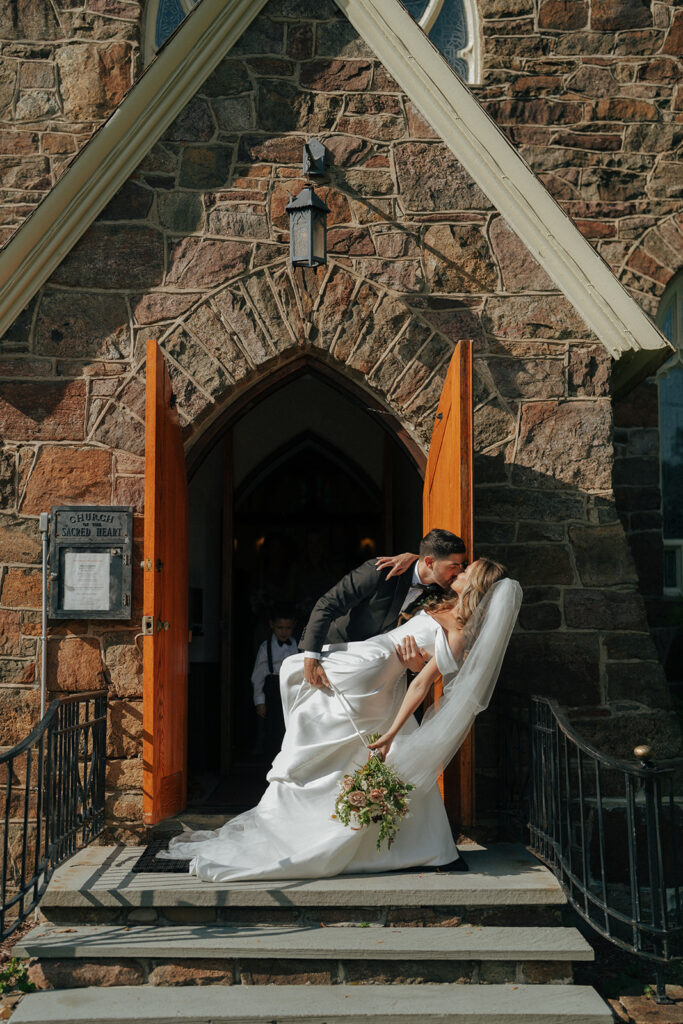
(358, 799)
(348, 783)
(376, 795)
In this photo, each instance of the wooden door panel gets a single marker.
(448, 504)
(165, 600)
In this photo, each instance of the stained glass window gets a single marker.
(450, 24)
(161, 21)
(670, 321)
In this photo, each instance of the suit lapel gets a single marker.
(400, 590)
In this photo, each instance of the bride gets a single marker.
(291, 833)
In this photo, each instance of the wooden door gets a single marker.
(165, 600)
(447, 503)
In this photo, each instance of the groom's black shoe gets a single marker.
(455, 865)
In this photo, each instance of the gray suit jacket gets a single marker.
(363, 604)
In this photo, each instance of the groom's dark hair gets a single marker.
(441, 544)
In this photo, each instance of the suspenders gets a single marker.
(271, 670)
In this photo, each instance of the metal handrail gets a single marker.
(623, 876)
(62, 799)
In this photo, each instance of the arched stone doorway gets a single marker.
(301, 477)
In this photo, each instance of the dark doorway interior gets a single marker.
(304, 486)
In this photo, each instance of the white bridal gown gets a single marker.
(291, 833)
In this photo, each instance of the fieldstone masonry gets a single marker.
(193, 251)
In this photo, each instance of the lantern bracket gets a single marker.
(314, 158)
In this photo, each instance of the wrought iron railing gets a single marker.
(609, 830)
(52, 799)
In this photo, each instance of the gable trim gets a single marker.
(495, 165)
(187, 59)
(114, 151)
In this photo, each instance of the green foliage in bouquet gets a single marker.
(373, 794)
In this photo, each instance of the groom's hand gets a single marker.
(411, 656)
(314, 673)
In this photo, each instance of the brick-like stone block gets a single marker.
(19, 539)
(19, 713)
(93, 79)
(124, 774)
(589, 371)
(21, 588)
(563, 14)
(43, 410)
(643, 681)
(288, 972)
(77, 973)
(81, 324)
(124, 728)
(113, 256)
(192, 972)
(616, 15)
(562, 665)
(458, 259)
(603, 609)
(431, 178)
(64, 475)
(123, 807)
(602, 555)
(123, 662)
(519, 270)
(120, 428)
(565, 444)
(204, 262)
(74, 663)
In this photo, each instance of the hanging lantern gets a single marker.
(307, 229)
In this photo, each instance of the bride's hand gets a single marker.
(411, 656)
(397, 564)
(382, 746)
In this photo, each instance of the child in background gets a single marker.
(265, 680)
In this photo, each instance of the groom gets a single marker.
(368, 601)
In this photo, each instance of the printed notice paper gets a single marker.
(86, 581)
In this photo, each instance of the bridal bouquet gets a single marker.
(374, 793)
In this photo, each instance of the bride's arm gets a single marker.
(415, 694)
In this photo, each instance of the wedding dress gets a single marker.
(291, 833)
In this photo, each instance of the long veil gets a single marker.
(468, 686)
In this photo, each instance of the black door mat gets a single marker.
(148, 862)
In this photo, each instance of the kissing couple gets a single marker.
(432, 614)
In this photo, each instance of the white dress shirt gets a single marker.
(414, 591)
(261, 669)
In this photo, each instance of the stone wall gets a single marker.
(193, 251)
(64, 68)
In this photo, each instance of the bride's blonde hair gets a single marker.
(484, 574)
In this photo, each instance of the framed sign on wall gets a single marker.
(91, 550)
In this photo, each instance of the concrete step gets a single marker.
(96, 886)
(319, 1004)
(188, 942)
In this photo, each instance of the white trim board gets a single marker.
(187, 59)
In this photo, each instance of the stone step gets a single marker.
(96, 885)
(318, 1004)
(188, 942)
